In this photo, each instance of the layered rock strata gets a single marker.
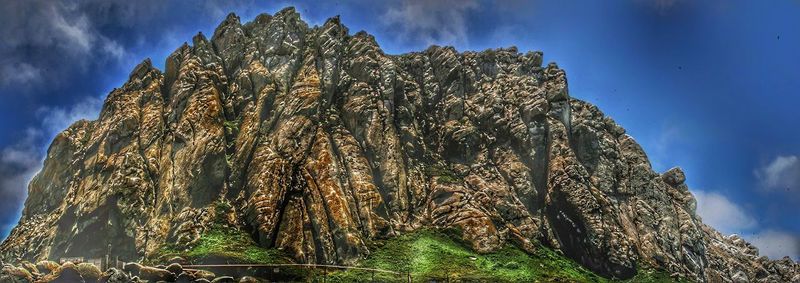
(323, 143)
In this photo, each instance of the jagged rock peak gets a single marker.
(141, 69)
(318, 143)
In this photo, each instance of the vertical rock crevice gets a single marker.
(325, 144)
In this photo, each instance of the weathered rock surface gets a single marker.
(322, 143)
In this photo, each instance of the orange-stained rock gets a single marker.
(319, 143)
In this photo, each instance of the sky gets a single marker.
(712, 86)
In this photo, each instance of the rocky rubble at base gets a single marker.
(48, 271)
(320, 143)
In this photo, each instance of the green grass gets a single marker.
(224, 245)
(428, 255)
(232, 126)
(435, 255)
(443, 174)
(221, 244)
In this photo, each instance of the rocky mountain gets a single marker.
(316, 142)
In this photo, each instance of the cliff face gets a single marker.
(322, 143)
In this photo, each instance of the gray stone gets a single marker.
(302, 130)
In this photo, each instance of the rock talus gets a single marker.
(323, 143)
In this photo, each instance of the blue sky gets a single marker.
(711, 86)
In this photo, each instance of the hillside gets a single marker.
(318, 144)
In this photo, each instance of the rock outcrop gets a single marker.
(322, 143)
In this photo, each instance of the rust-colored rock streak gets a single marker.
(322, 143)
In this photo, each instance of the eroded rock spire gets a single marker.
(317, 142)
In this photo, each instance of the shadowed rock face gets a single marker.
(322, 143)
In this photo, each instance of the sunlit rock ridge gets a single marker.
(322, 143)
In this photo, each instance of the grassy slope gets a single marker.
(429, 255)
(434, 255)
(223, 245)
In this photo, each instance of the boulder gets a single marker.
(67, 272)
(46, 267)
(15, 274)
(175, 268)
(178, 260)
(132, 268)
(30, 267)
(674, 177)
(148, 273)
(156, 274)
(89, 272)
(184, 277)
(114, 275)
(204, 274)
(224, 279)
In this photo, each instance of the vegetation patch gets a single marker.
(232, 126)
(437, 256)
(443, 174)
(224, 245)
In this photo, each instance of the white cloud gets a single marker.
(114, 49)
(719, 212)
(431, 22)
(727, 217)
(56, 119)
(782, 173)
(19, 73)
(76, 32)
(776, 244)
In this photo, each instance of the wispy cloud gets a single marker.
(721, 213)
(18, 73)
(776, 244)
(56, 119)
(430, 22)
(728, 217)
(782, 174)
(76, 32)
